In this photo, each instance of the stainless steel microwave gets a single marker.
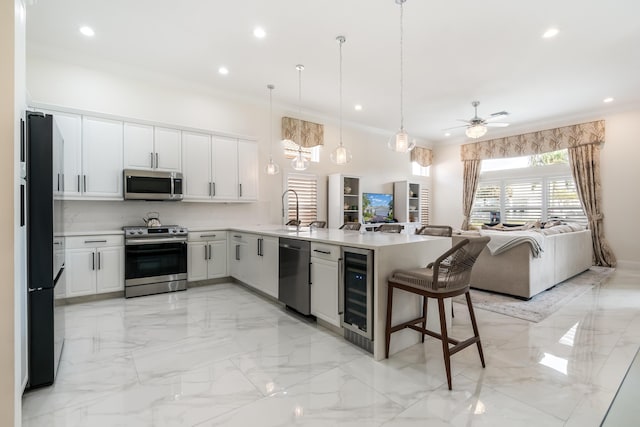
(152, 185)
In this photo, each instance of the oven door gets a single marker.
(155, 260)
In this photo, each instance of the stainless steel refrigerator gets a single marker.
(44, 154)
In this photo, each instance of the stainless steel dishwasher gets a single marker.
(294, 288)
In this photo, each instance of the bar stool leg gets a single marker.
(445, 340)
(424, 315)
(388, 329)
(475, 326)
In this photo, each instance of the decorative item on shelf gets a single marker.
(411, 193)
(400, 141)
(299, 163)
(341, 155)
(272, 167)
(346, 206)
(347, 190)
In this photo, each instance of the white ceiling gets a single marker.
(455, 52)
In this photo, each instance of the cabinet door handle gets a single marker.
(63, 182)
(209, 251)
(78, 183)
(207, 235)
(85, 183)
(213, 189)
(93, 260)
(240, 190)
(237, 252)
(340, 286)
(210, 190)
(206, 256)
(99, 259)
(151, 158)
(322, 252)
(157, 163)
(58, 182)
(237, 236)
(259, 247)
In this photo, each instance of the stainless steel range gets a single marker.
(155, 260)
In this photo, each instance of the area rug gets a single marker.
(545, 303)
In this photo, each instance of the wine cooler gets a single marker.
(356, 296)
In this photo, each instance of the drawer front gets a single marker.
(79, 242)
(207, 236)
(324, 251)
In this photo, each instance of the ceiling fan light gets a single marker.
(476, 131)
(400, 142)
(341, 155)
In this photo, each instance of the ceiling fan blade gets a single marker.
(497, 125)
(496, 116)
(456, 127)
(463, 120)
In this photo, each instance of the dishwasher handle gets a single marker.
(287, 246)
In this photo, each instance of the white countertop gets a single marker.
(367, 240)
(90, 233)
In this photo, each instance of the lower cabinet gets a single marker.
(324, 282)
(94, 265)
(207, 255)
(253, 259)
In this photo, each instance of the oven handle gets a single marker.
(155, 241)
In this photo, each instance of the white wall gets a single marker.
(620, 173)
(122, 92)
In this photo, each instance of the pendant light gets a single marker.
(272, 168)
(341, 155)
(400, 141)
(299, 163)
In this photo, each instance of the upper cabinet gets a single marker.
(152, 147)
(101, 158)
(70, 127)
(218, 168)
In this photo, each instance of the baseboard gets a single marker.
(209, 282)
(628, 265)
(90, 298)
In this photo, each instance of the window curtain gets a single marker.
(470, 185)
(422, 156)
(303, 133)
(585, 166)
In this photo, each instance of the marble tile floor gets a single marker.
(221, 355)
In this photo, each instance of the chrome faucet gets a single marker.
(297, 207)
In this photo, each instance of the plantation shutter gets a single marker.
(563, 202)
(424, 206)
(307, 188)
(487, 200)
(523, 201)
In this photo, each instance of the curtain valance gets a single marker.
(535, 142)
(423, 156)
(306, 134)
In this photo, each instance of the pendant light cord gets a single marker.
(300, 68)
(270, 87)
(341, 40)
(401, 67)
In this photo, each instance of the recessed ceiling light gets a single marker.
(447, 134)
(259, 32)
(357, 107)
(223, 70)
(609, 99)
(551, 32)
(87, 31)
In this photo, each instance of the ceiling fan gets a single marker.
(477, 126)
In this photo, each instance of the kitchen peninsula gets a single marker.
(390, 252)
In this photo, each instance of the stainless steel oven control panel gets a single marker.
(151, 232)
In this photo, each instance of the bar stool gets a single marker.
(447, 277)
(350, 226)
(435, 230)
(390, 228)
(318, 224)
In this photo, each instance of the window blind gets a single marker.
(307, 188)
(563, 201)
(424, 206)
(523, 201)
(487, 200)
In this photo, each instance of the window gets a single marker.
(418, 170)
(424, 206)
(291, 151)
(306, 186)
(527, 189)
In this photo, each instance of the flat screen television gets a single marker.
(377, 207)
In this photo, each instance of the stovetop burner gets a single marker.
(162, 231)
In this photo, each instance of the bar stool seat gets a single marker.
(447, 277)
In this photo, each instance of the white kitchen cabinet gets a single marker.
(247, 170)
(101, 158)
(152, 148)
(324, 282)
(207, 255)
(196, 166)
(94, 264)
(253, 259)
(224, 170)
(70, 126)
(406, 201)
